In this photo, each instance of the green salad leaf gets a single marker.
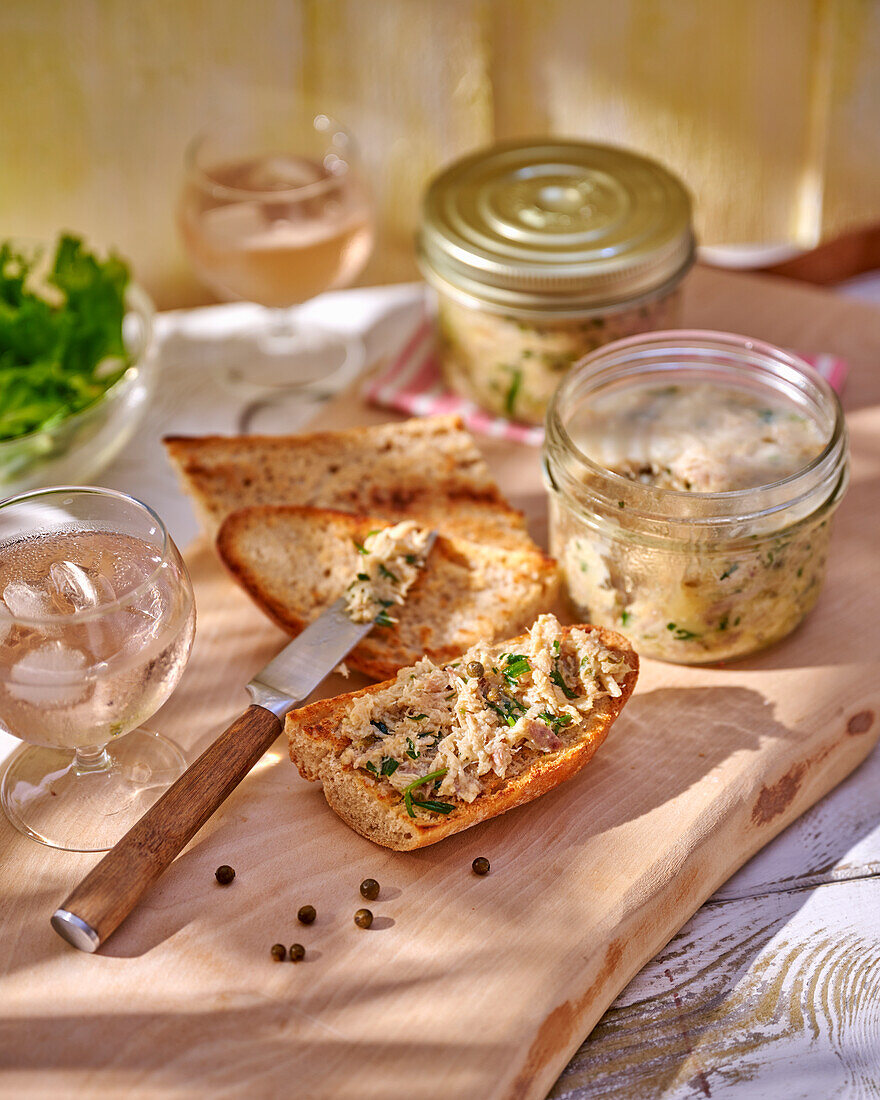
(61, 345)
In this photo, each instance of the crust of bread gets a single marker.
(294, 561)
(427, 469)
(315, 747)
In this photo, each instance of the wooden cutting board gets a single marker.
(464, 986)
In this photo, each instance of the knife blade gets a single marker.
(292, 676)
(98, 905)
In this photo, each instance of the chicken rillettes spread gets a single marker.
(436, 734)
(390, 561)
(708, 598)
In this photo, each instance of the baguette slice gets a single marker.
(373, 808)
(294, 562)
(423, 469)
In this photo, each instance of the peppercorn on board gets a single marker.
(464, 985)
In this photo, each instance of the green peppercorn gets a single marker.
(278, 952)
(224, 875)
(474, 668)
(369, 889)
(297, 952)
(363, 918)
(480, 866)
(306, 914)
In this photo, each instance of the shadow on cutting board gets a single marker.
(666, 742)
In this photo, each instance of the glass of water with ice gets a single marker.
(97, 619)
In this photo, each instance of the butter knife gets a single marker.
(109, 892)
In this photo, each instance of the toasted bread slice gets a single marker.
(324, 736)
(294, 562)
(423, 469)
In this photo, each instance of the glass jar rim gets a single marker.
(126, 597)
(646, 351)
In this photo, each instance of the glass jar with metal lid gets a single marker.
(541, 252)
(692, 479)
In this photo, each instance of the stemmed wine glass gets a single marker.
(97, 619)
(274, 209)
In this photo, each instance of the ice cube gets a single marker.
(47, 676)
(27, 602)
(5, 622)
(74, 588)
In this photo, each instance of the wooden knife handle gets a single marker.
(109, 892)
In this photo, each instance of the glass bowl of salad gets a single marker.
(77, 362)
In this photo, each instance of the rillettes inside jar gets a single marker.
(539, 253)
(692, 479)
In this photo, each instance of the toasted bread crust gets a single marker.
(466, 591)
(427, 469)
(315, 747)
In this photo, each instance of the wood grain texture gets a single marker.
(470, 987)
(113, 888)
(760, 997)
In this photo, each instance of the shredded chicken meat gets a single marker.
(461, 724)
(390, 561)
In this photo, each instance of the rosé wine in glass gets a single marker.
(277, 229)
(274, 209)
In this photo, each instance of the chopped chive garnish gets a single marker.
(680, 633)
(557, 679)
(555, 721)
(407, 791)
(388, 574)
(389, 765)
(517, 666)
(436, 807)
(512, 390)
(411, 751)
(380, 726)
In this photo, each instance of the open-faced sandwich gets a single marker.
(442, 747)
(294, 562)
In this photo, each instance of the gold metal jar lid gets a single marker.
(555, 225)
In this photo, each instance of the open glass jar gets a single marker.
(540, 253)
(692, 479)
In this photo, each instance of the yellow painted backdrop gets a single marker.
(769, 109)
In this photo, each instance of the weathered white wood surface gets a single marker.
(721, 1021)
(772, 990)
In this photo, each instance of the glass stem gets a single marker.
(92, 758)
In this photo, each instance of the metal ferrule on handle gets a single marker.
(105, 897)
(113, 887)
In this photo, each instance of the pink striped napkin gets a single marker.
(412, 384)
